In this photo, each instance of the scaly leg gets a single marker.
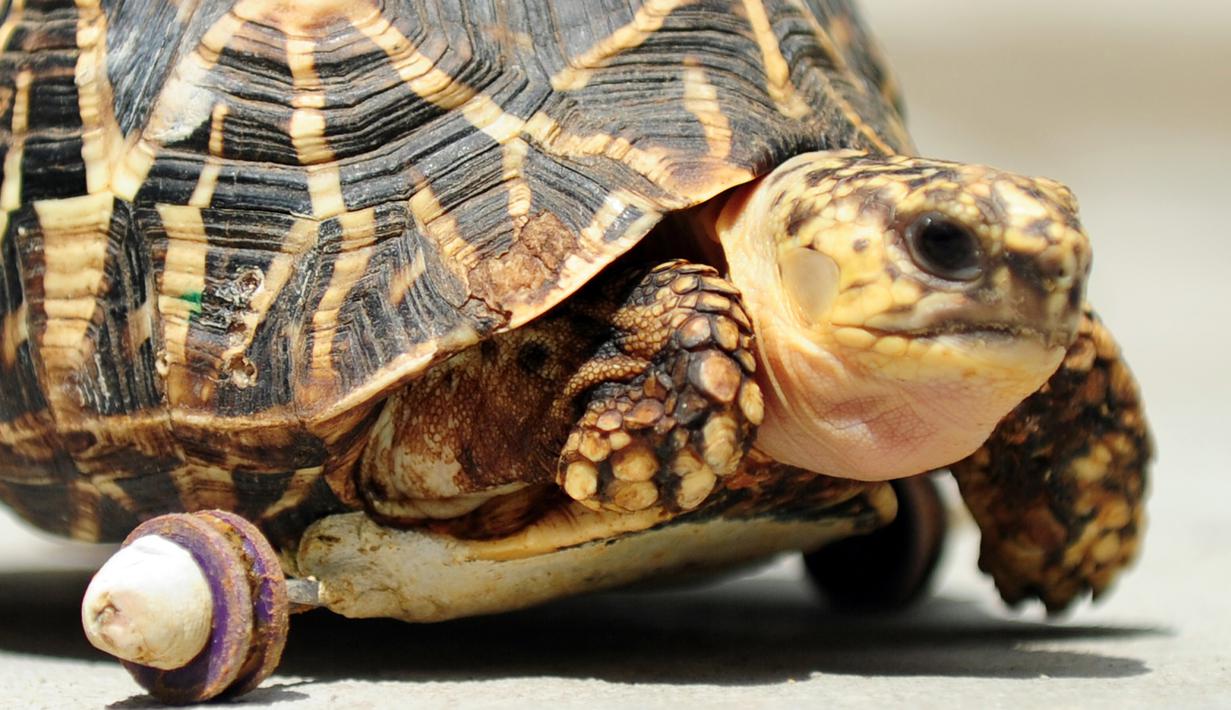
(1058, 488)
(668, 404)
(635, 392)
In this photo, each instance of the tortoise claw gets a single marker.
(678, 415)
(1058, 490)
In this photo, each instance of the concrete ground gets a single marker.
(1128, 103)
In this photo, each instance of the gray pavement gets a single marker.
(1129, 104)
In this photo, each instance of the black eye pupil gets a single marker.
(944, 247)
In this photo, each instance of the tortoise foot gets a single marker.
(889, 568)
(1059, 488)
(194, 606)
(674, 401)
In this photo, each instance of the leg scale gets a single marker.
(669, 405)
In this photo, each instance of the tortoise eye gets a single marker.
(944, 248)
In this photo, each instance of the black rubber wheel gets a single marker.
(890, 568)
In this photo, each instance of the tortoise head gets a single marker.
(902, 306)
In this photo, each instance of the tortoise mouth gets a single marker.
(991, 329)
(959, 334)
(997, 350)
(1000, 336)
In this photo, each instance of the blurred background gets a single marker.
(1129, 104)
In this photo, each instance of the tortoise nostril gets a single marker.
(1057, 267)
(1077, 294)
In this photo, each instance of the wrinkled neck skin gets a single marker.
(824, 415)
(834, 411)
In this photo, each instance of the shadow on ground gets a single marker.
(754, 631)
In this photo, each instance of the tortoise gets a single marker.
(442, 308)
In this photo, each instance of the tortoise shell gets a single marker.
(230, 229)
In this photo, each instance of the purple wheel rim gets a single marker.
(270, 609)
(219, 663)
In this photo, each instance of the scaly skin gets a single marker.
(878, 359)
(671, 404)
(636, 393)
(1059, 488)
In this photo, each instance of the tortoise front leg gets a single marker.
(634, 394)
(667, 405)
(1058, 488)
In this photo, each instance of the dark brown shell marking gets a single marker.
(228, 228)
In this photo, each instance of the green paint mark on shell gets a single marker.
(193, 298)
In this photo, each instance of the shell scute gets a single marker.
(229, 229)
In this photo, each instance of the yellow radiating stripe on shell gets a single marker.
(299, 487)
(777, 72)
(441, 227)
(141, 324)
(10, 188)
(218, 36)
(402, 282)
(181, 288)
(106, 485)
(436, 86)
(836, 36)
(181, 106)
(84, 499)
(179, 291)
(358, 236)
(300, 239)
(308, 136)
(831, 48)
(613, 206)
(76, 231)
(207, 181)
(307, 132)
(91, 102)
(701, 100)
(100, 133)
(14, 18)
(648, 19)
(301, 18)
(26, 436)
(16, 330)
(302, 62)
(823, 38)
(325, 191)
(513, 156)
(16, 327)
(203, 486)
(132, 168)
(654, 164)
